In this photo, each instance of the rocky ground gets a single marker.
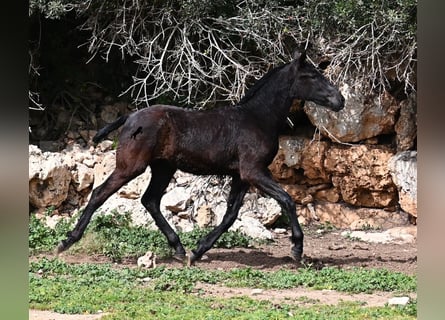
(323, 247)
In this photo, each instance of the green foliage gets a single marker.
(43, 238)
(126, 293)
(183, 280)
(119, 238)
(115, 236)
(229, 239)
(354, 281)
(122, 239)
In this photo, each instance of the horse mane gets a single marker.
(259, 84)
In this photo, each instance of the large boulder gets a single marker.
(361, 174)
(342, 216)
(406, 126)
(49, 178)
(320, 170)
(403, 169)
(364, 116)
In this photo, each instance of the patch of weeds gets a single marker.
(87, 288)
(351, 238)
(120, 239)
(307, 300)
(369, 227)
(49, 211)
(115, 236)
(42, 238)
(359, 280)
(331, 278)
(229, 239)
(115, 143)
(327, 227)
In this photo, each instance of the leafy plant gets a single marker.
(229, 239)
(115, 236)
(43, 238)
(132, 293)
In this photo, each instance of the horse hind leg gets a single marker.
(112, 184)
(162, 173)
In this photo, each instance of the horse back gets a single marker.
(200, 142)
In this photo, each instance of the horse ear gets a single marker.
(299, 56)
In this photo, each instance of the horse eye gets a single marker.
(323, 65)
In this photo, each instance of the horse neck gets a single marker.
(270, 105)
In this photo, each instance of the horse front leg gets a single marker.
(235, 200)
(264, 182)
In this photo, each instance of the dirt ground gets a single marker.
(322, 248)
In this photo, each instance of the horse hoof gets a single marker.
(191, 259)
(60, 248)
(296, 256)
(180, 257)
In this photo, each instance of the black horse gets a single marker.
(240, 141)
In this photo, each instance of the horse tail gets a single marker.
(102, 133)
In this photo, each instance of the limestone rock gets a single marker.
(406, 126)
(363, 116)
(403, 169)
(313, 160)
(83, 176)
(109, 113)
(136, 187)
(330, 195)
(147, 261)
(104, 167)
(49, 179)
(393, 235)
(176, 200)
(251, 227)
(361, 174)
(287, 159)
(342, 216)
(401, 301)
(269, 211)
(204, 216)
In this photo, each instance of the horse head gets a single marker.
(309, 84)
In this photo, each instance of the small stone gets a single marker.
(336, 247)
(360, 247)
(401, 301)
(105, 145)
(256, 292)
(204, 216)
(147, 261)
(146, 279)
(280, 230)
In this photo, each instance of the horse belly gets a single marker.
(205, 162)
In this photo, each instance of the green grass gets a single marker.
(116, 237)
(169, 293)
(42, 238)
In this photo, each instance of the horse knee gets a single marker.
(287, 204)
(149, 203)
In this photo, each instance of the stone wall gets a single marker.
(346, 172)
